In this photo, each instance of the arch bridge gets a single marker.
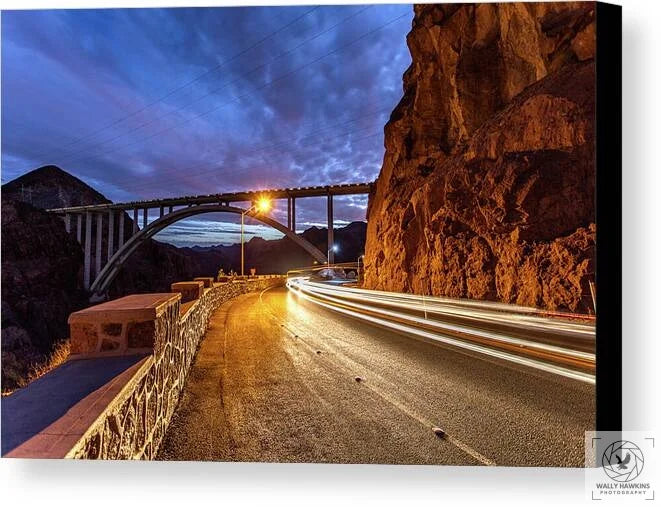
(108, 263)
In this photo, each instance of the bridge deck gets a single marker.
(251, 195)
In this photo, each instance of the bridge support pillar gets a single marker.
(99, 239)
(135, 220)
(87, 265)
(67, 222)
(293, 214)
(160, 212)
(111, 233)
(170, 209)
(331, 240)
(120, 236)
(289, 213)
(79, 228)
(144, 217)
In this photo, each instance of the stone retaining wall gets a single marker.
(132, 426)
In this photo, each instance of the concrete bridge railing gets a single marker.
(127, 417)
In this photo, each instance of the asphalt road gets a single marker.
(275, 379)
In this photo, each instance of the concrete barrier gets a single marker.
(189, 290)
(206, 280)
(128, 416)
(123, 326)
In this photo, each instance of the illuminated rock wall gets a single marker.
(487, 189)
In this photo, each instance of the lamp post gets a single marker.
(262, 205)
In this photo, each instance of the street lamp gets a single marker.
(333, 248)
(262, 205)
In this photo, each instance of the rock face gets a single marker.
(41, 269)
(487, 189)
(50, 187)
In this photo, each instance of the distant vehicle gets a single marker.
(333, 273)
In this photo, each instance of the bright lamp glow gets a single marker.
(263, 204)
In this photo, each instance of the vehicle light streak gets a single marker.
(575, 364)
(526, 322)
(456, 328)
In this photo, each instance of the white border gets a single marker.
(48, 483)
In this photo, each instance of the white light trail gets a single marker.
(343, 300)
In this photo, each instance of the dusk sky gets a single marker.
(145, 103)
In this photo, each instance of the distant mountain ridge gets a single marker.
(51, 187)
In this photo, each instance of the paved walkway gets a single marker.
(29, 410)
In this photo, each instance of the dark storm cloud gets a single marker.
(145, 103)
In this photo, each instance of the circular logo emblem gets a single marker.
(622, 461)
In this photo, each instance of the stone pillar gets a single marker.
(331, 254)
(111, 233)
(67, 222)
(161, 212)
(99, 240)
(87, 266)
(123, 326)
(120, 237)
(144, 217)
(189, 291)
(293, 214)
(170, 209)
(79, 228)
(206, 280)
(135, 220)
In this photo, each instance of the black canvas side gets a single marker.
(609, 218)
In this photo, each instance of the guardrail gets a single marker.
(520, 335)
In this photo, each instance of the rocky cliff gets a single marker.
(487, 189)
(41, 266)
(50, 187)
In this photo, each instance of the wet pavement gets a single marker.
(280, 379)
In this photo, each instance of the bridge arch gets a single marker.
(106, 276)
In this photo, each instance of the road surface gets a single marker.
(278, 378)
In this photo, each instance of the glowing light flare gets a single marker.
(263, 204)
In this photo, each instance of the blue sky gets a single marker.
(144, 103)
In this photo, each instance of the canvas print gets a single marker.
(317, 234)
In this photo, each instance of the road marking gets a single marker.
(351, 366)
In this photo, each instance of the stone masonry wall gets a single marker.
(133, 425)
